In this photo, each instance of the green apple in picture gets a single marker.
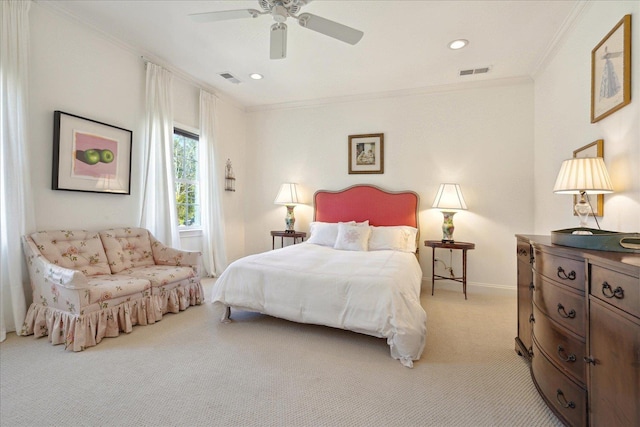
(92, 156)
(106, 156)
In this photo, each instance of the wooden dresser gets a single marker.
(579, 325)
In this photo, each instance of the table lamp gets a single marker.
(288, 196)
(449, 200)
(583, 176)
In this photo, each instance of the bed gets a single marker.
(357, 271)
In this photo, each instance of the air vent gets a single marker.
(229, 77)
(482, 70)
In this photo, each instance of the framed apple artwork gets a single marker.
(90, 156)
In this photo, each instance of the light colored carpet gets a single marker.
(191, 370)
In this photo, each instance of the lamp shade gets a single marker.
(449, 197)
(583, 174)
(288, 195)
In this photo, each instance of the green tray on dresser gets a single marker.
(598, 240)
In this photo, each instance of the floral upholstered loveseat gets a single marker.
(89, 285)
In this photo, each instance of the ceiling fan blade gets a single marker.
(330, 28)
(278, 41)
(224, 15)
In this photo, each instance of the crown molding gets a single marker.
(455, 87)
(560, 37)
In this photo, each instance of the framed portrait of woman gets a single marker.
(611, 71)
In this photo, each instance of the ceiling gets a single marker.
(404, 48)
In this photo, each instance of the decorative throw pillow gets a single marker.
(396, 238)
(352, 237)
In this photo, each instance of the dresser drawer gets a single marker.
(564, 348)
(617, 289)
(569, 272)
(565, 397)
(562, 305)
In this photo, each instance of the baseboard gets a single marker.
(472, 287)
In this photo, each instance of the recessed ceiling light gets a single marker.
(256, 76)
(458, 44)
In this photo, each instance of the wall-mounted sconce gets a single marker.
(229, 177)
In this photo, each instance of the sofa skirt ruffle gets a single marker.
(80, 331)
(180, 297)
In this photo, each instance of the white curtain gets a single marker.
(16, 207)
(159, 214)
(213, 248)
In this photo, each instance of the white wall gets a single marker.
(80, 71)
(562, 124)
(74, 70)
(481, 138)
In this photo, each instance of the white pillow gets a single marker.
(323, 233)
(396, 238)
(353, 237)
(326, 233)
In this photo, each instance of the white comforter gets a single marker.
(375, 293)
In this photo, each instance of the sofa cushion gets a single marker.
(105, 288)
(161, 275)
(127, 248)
(74, 249)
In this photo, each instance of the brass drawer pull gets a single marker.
(565, 276)
(608, 293)
(561, 354)
(563, 313)
(563, 402)
(589, 360)
(522, 252)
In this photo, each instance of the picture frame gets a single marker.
(611, 71)
(366, 153)
(90, 156)
(595, 149)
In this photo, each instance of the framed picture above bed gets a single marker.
(366, 153)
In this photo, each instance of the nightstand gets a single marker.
(463, 246)
(295, 235)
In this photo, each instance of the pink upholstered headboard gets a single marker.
(367, 202)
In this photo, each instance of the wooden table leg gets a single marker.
(464, 272)
(433, 269)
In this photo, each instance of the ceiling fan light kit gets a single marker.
(280, 10)
(278, 49)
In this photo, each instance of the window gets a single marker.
(185, 159)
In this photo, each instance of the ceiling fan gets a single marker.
(280, 10)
